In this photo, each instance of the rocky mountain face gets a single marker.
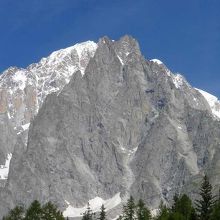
(120, 125)
(22, 91)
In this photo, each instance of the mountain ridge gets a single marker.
(22, 91)
(93, 137)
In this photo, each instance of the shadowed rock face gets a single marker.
(127, 125)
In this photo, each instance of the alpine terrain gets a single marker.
(98, 122)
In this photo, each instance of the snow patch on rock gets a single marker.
(20, 78)
(178, 80)
(4, 169)
(95, 205)
(120, 60)
(26, 126)
(213, 102)
(159, 62)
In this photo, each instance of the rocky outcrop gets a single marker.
(22, 91)
(126, 126)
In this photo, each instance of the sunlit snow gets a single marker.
(157, 61)
(21, 79)
(80, 48)
(213, 102)
(50, 75)
(120, 60)
(178, 80)
(4, 169)
(26, 126)
(95, 205)
(9, 116)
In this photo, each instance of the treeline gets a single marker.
(35, 212)
(206, 207)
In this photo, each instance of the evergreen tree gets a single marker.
(15, 214)
(88, 215)
(34, 212)
(120, 217)
(50, 212)
(163, 212)
(175, 216)
(102, 213)
(216, 209)
(215, 215)
(193, 215)
(129, 210)
(183, 206)
(175, 203)
(205, 204)
(143, 213)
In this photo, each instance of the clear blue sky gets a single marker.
(184, 34)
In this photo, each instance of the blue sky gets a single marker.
(185, 35)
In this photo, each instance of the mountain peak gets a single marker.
(25, 89)
(126, 126)
(213, 102)
(159, 62)
(79, 50)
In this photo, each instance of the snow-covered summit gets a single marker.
(99, 131)
(156, 61)
(81, 51)
(23, 91)
(213, 102)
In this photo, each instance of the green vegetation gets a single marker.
(35, 212)
(88, 214)
(206, 207)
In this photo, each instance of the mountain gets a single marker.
(213, 102)
(121, 125)
(22, 91)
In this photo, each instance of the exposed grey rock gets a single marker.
(22, 91)
(127, 125)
